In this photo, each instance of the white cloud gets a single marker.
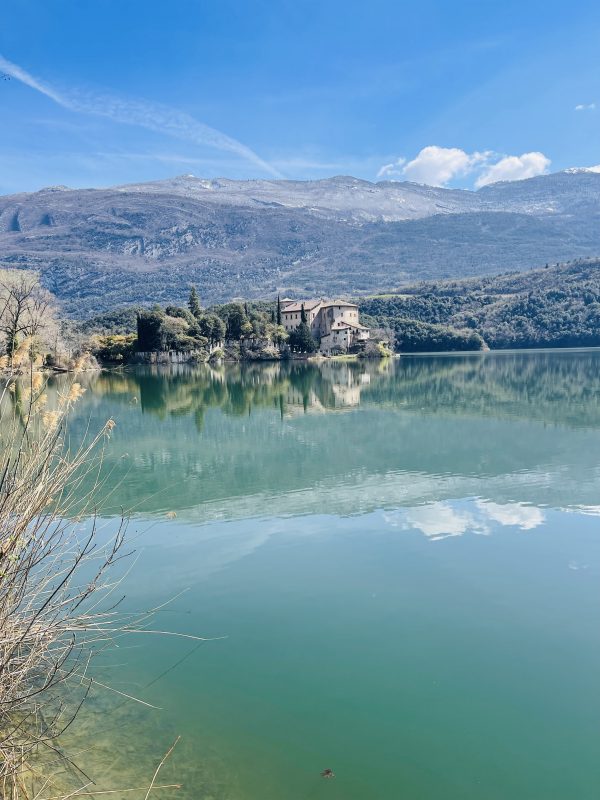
(585, 107)
(152, 116)
(514, 168)
(437, 166)
(393, 170)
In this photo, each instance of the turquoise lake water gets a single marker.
(399, 563)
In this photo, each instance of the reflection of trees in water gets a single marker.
(555, 387)
(430, 427)
(236, 390)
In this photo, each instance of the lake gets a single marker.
(397, 566)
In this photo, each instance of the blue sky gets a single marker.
(451, 93)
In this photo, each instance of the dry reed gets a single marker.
(57, 601)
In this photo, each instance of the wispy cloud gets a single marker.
(151, 116)
(585, 107)
(395, 169)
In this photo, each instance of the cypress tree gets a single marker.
(302, 341)
(302, 314)
(194, 303)
(278, 310)
(149, 330)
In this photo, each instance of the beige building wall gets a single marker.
(321, 316)
(341, 338)
(291, 315)
(330, 312)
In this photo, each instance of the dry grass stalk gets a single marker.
(55, 594)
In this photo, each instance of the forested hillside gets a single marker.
(558, 306)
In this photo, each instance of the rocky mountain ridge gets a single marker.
(144, 243)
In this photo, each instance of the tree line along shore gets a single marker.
(555, 306)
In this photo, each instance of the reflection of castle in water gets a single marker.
(338, 388)
(510, 428)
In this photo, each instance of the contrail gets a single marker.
(152, 116)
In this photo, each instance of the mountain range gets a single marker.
(144, 243)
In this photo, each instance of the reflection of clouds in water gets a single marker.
(593, 511)
(441, 520)
(173, 554)
(213, 546)
(519, 515)
(360, 493)
(577, 565)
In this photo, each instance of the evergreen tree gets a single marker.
(278, 310)
(182, 313)
(205, 326)
(302, 314)
(212, 328)
(302, 341)
(218, 329)
(194, 303)
(237, 322)
(149, 330)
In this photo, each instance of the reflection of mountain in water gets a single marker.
(258, 440)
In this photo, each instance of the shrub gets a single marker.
(116, 349)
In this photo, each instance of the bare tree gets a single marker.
(27, 311)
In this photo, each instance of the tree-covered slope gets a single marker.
(557, 306)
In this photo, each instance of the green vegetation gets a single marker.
(301, 339)
(119, 334)
(558, 306)
(115, 349)
(194, 303)
(120, 320)
(412, 336)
